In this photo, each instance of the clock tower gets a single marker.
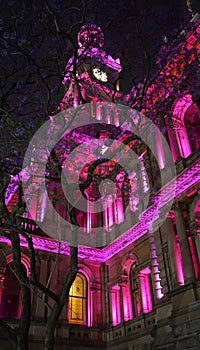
(91, 74)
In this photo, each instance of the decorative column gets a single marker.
(136, 292)
(175, 261)
(173, 145)
(95, 307)
(115, 304)
(2, 277)
(88, 222)
(98, 111)
(195, 232)
(184, 245)
(160, 152)
(143, 175)
(76, 96)
(195, 247)
(118, 202)
(43, 206)
(91, 315)
(127, 305)
(154, 259)
(121, 303)
(108, 212)
(145, 290)
(141, 188)
(105, 302)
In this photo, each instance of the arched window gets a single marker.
(77, 304)
(11, 296)
(192, 124)
(146, 290)
(186, 125)
(135, 291)
(141, 289)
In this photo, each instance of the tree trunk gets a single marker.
(24, 326)
(58, 306)
(23, 342)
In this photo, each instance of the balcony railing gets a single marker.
(29, 225)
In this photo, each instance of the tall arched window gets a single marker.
(142, 296)
(186, 125)
(77, 304)
(135, 292)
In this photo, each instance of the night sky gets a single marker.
(34, 47)
(33, 54)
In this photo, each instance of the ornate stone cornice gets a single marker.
(183, 182)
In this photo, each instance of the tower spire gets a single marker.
(190, 8)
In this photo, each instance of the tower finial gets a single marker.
(90, 35)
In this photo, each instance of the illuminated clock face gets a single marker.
(100, 75)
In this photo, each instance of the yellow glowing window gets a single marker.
(77, 300)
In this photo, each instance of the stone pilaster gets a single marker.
(95, 309)
(105, 296)
(172, 139)
(184, 245)
(171, 240)
(196, 236)
(126, 298)
(40, 309)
